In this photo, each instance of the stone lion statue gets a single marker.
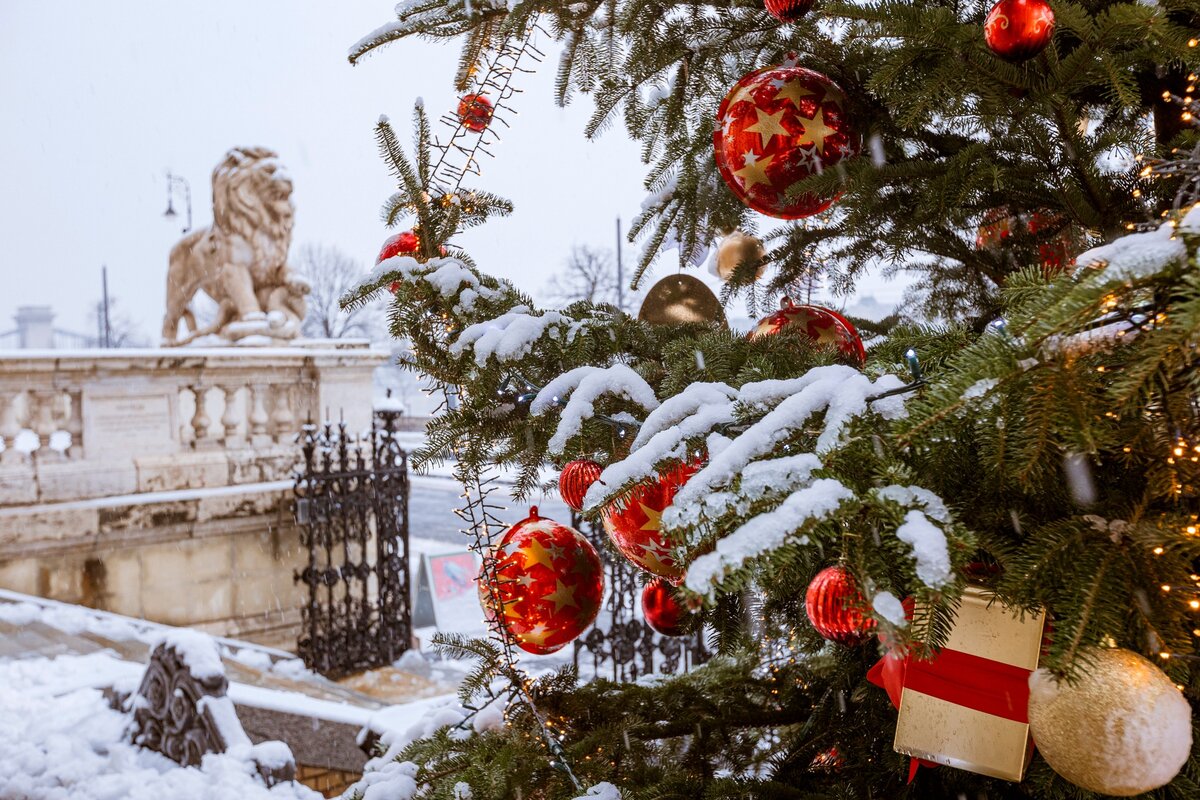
(240, 261)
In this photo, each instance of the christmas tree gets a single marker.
(992, 523)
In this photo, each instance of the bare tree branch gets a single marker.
(331, 273)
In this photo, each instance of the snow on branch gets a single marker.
(586, 385)
(930, 551)
(675, 410)
(511, 336)
(449, 276)
(766, 532)
(840, 391)
(1137, 255)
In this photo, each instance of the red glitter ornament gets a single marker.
(776, 127)
(824, 326)
(402, 244)
(549, 581)
(475, 111)
(788, 10)
(1000, 227)
(575, 479)
(834, 604)
(635, 526)
(662, 609)
(1017, 30)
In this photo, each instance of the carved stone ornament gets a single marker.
(240, 261)
(184, 716)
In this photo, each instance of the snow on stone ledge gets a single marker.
(197, 650)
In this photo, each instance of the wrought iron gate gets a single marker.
(352, 510)
(622, 642)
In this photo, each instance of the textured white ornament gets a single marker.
(1122, 729)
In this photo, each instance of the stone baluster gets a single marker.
(75, 422)
(259, 420)
(200, 419)
(282, 417)
(231, 419)
(45, 421)
(10, 426)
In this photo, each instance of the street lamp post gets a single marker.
(172, 182)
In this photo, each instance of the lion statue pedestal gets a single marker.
(240, 261)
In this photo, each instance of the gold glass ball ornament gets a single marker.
(679, 299)
(1121, 729)
(739, 248)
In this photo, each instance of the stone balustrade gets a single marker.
(97, 423)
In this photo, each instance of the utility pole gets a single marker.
(104, 294)
(620, 271)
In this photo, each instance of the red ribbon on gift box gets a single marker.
(974, 682)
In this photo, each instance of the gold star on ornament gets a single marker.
(510, 609)
(657, 559)
(653, 518)
(745, 92)
(526, 580)
(754, 173)
(815, 130)
(538, 634)
(561, 596)
(536, 553)
(556, 551)
(794, 91)
(767, 125)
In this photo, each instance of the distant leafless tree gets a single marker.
(589, 274)
(331, 273)
(123, 331)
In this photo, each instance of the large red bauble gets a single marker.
(402, 244)
(822, 325)
(635, 526)
(549, 581)
(575, 479)
(834, 604)
(662, 609)
(776, 127)
(788, 10)
(1019, 29)
(475, 111)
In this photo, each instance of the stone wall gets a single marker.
(158, 508)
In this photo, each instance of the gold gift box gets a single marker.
(945, 733)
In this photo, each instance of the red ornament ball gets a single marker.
(822, 325)
(575, 479)
(549, 581)
(834, 604)
(635, 526)
(662, 609)
(778, 126)
(1017, 30)
(789, 10)
(475, 111)
(402, 244)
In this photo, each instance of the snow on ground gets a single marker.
(62, 743)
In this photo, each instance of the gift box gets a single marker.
(967, 708)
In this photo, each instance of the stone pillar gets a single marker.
(231, 418)
(10, 426)
(200, 420)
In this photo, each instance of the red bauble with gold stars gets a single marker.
(788, 10)
(475, 111)
(575, 479)
(824, 326)
(549, 581)
(635, 525)
(1017, 30)
(776, 127)
(834, 605)
(662, 609)
(402, 244)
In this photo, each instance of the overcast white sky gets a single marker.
(98, 100)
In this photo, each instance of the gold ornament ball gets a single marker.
(738, 248)
(1122, 729)
(677, 299)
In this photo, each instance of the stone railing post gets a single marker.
(282, 417)
(45, 422)
(10, 426)
(75, 422)
(259, 420)
(231, 419)
(200, 418)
